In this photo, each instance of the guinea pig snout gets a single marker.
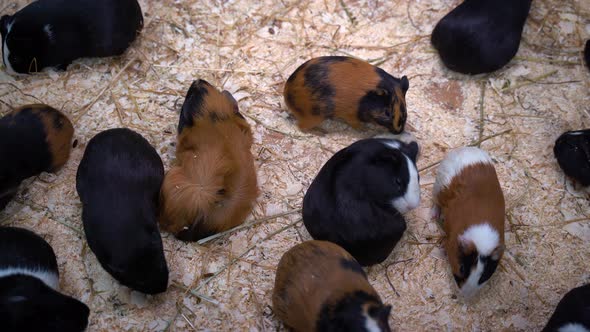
(411, 198)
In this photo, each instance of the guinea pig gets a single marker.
(587, 53)
(321, 287)
(119, 180)
(213, 186)
(572, 151)
(33, 139)
(572, 313)
(349, 89)
(29, 282)
(469, 198)
(358, 198)
(480, 36)
(53, 33)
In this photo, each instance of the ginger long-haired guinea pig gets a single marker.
(53, 33)
(480, 36)
(119, 180)
(572, 151)
(213, 186)
(349, 89)
(321, 287)
(33, 139)
(358, 198)
(468, 197)
(572, 313)
(29, 283)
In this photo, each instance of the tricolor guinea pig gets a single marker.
(53, 33)
(469, 199)
(572, 151)
(572, 313)
(29, 283)
(321, 287)
(480, 36)
(348, 89)
(358, 198)
(119, 180)
(33, 139)
(213, 186)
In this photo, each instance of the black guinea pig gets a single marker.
(349, 89)
(480, 36)
(29, 282)
(572, 151)
(320, 287)
(358, 198)
(119, 180)
(33, 139)
(53, 33)
(572, 313)
(587, 53)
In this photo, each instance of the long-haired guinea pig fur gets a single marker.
(119, 180)
(572, 151)
(572, 313)
(358, 198)
(53, 33)
(213, 186)
(348, 89)
(321, 287)
(29, 282)
(468, 197)
(33, 139)
(480, 36)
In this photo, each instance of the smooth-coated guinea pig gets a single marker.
(321, 287)
(348, 89)
(53, 33)
(480, 36)
(29, 282)
(572, 313)
(572, 151)
(468, 197)
(358, 198)
(33, 139)
(119, 180)
(213, 186)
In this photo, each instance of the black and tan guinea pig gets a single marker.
(480, 36)
(348, 89)
(53, 33)
(358, 198)
(29, 283)
(572, 151)
(321, 287)
(213, 186)
(468, 197)
(119, 180)
(33, 139)
(572, 313)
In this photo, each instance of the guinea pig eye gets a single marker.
(462, 269)
(398, 182)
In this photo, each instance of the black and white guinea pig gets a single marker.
(572, 151)
(572, 313)
(119, 180)
(53, 33)
(33, 139)
(480, 36)
(358, 198)
(29, 282)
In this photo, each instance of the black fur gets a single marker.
(587, 53)
(351, 264)
(573, 308)
(572, 150)
(467, 262)
(79, 28)
(317, 79)
(481, 36)
(193, 103)
(119, 181)
(346, 314)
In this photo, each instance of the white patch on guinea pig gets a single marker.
(6, 51)
(455, 162)
(371, 324)
(51, 279)
(485, 238)
(575, 133)
(404, 137)
(573, 327)
(411, 199)
(48, 30)
(471, 286)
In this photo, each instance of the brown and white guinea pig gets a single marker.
(53, 33)
(572, 313)
(572, 151)
(213, 186)
(321, 287)
(29, 287)
(349, 89)
(33, 139)
(469, 199)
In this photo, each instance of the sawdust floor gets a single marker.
(250, 48)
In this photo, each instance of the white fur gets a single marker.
(371, 325)
(471, 286)
(455, 162)
(47, 28)
(486, 239)
(51, 279)
(575, 133)
(405, 137)
(573, 327)
(6, 51)
(411, 199)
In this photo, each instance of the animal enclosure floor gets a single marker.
(250, 48)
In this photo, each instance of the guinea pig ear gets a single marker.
(411, 150)
(232, 100)
(498, 252)
(384, 313)
(4, 22)
(405, 84)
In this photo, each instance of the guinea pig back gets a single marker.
(572, 313)
(572, 151)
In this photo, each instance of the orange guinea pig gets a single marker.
(213, 186)
(321, 287)
(349, 89)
